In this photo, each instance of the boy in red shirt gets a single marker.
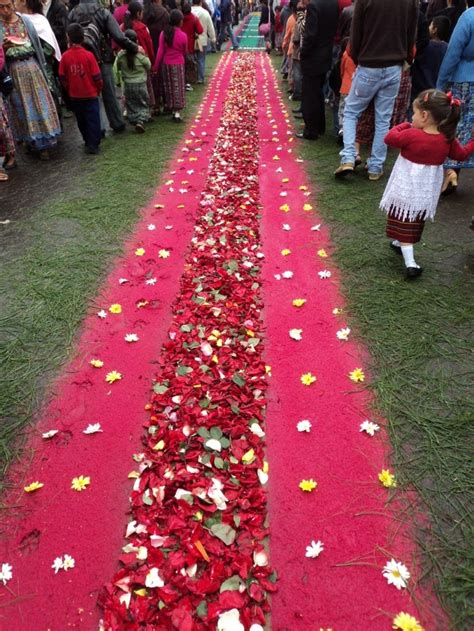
(80, 76)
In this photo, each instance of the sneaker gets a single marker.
(344, 169)
(189, 87)
(139, 128)
(375, 177)
(177, 118)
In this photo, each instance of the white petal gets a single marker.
(50, 434)
(93, 429)
(214, 444)
(304, 426)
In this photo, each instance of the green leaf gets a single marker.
(224, 532)
(254, 341)
(216, 432)
(183, 370)
(146, 499)
(204, 403)
(161, 605)
(186, 328)
(232, 265)
(218, 462)
(231, 584)
(235, 409)
(236, 521)
(201, 610)
(212, 521)
(225, 442)
(203, 432)
(160, 388)
(238, 379)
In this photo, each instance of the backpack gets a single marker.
(94, 40)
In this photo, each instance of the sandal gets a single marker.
(3, 175)
(450, 183)
(9, 163)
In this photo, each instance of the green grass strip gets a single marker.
(67, 246)
(419, 335)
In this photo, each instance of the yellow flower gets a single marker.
(357, 375)
(248, 456)
(285, 252)
(112, 376)
(163, 254)
(285, 208)
(387, 478)
(160, 445)
(159, 206)
(285, 180)
(303, 187)
(115, 308)
(140, 251)
(405, 622)
(34, 486)
(308, 485)
(307, 207)
(298, 302)
(275, 158)
(80, 483)
(322, 253)
(96, 363)
(307, 379)
(337, 311)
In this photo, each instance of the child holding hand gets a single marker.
(414, 187)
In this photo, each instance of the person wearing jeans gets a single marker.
(382, 39)
(226, 25)
(208, 35)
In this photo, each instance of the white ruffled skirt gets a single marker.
(413, 190)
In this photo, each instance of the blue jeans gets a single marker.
(201, 64)
(226, 29)
(381, 85)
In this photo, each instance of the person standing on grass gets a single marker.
(132, 70)
(226, 25)
(80, 77)
(316, 60)
(208, 36)
(170, 59)
(383, 35)
(193, 28)
(7, 145)
(414, 187)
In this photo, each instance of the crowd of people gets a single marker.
(405, 66)
(130, 60)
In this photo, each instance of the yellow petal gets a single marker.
(298, 302)
(96, 363)
(34, 486)
(140, 251)
(307, 207)
(248, 457)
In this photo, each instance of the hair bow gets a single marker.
(453, 100)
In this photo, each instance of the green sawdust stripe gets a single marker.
(420, 339)
(68, 244)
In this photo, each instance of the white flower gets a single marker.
(69, 562)
(168, 227)
(150, 281)
(262, 476)
(257, 430)
(278, 276)
(122, 281)
(314, 550)
(324, 274)
(57, 564)
(304, 426)
(151, 226)
(369, 427)
(190, 172)
(287, 274)
(396, 574)
(343, 334)
(213, 443)
(279, 170)
(153, 578)
(6, 573)
(131, 337)
(260, 558)
(296, 334)
(93, 429)
(230, 621)
(50, 434)
(316, 228)
(283, 194)
(256, 627)
(216, 494)
(102, 313)
(286, 226)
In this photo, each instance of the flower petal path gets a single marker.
(194, 552)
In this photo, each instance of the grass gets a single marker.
(48, 283)
(419, 337)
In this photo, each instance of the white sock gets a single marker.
(409, 256)
(396, 243)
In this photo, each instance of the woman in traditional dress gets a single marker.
(457, 73)
(33, 114)
(7, 146)
(170, 58)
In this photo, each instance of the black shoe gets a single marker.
(397, 249)
(414, 272)
(306, 136)
(92, 150)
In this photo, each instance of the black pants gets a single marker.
(312, 104)
(87, 112)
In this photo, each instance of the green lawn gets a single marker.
(419, 335)
(70, 242)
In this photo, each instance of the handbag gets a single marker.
(6, 83)
(264, 29)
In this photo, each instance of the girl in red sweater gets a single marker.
(414, 187)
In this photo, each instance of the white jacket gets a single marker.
(208, 32)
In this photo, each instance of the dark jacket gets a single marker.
(320, 30)
(345, 21)
(383, 32)
(156, 19)
(90, 11)
(57, 17)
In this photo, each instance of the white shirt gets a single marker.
(207, 25)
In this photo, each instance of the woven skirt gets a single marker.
(137, 99)
(464, 92)
(7, 145)
(32, 111)
(403, 230)
(174, 85)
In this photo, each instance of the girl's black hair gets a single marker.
(444, 110)
(185, 8)
(132, 13)
(442, 24)
(176, 17)
(130, 33)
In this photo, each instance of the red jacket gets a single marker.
(79, 73)
(143, 38)
(192, 27)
